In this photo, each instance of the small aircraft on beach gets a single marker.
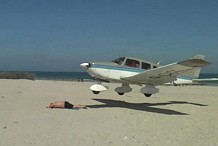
(129, 70)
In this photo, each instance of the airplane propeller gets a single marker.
(85, 65)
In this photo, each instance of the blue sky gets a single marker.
(54, 35)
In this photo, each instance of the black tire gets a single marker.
(121, 93)
(147, 95)
(96, 92)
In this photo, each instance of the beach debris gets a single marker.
(17, 75)
(4, 127)
(3, 96)
(125, 137)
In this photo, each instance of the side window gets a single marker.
(119, 60)
(132, 63)
(154, 66)
(146, 65)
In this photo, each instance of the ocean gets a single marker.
(75, 76)
(208, 75)
(62, 76)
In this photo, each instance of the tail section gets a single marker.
(194, 73)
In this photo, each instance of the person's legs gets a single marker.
(80, 106)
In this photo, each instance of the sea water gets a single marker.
(77, 76)
(208, 75)
(63, 76)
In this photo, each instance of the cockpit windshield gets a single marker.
(119, 60)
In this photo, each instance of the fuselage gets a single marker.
(125, 67)
(119, 68)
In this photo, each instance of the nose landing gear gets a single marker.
(97, 88)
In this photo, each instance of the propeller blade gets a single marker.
(85, 65)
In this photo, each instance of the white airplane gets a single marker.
(184, 80)
(129, 70)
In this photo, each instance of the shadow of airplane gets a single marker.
(142, 106)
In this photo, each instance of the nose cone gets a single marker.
(85, 65)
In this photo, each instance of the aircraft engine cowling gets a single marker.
(149, 90)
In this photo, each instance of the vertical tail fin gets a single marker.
(194, 73)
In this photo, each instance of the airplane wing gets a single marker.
(165, 74)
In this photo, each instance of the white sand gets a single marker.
(177, 116)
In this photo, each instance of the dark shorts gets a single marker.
(68, 105)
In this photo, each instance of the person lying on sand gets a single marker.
(66, 105)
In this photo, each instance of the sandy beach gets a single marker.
(177, 116)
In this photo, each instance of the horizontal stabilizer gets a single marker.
(194, 63)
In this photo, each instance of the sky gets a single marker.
(58, 35)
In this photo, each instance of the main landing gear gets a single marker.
(123, 89)
(149, 90)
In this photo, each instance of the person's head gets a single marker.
(51, 105)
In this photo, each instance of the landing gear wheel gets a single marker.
(121, 93)
(147, 95)
(96, 92)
